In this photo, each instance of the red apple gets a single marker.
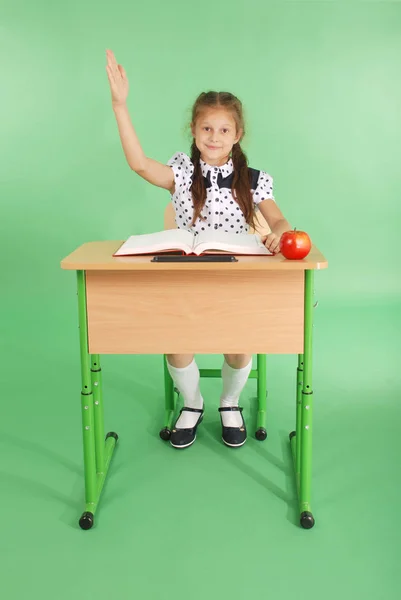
(295, 245)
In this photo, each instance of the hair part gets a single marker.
(241, 186)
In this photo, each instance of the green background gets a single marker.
(321, 88)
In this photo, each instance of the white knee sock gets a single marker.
(233, 383)
(187, 380)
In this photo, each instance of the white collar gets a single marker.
(225, 169)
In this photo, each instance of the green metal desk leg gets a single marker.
(171, 397)
(260, 433)
(297, 441)
(97, 453)
(301, 439)
(96, 373)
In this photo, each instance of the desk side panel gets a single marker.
(195, 312)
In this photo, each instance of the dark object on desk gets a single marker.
(195, 258)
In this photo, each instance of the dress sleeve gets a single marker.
(182, 168)
(264, 188)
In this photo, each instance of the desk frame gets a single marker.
(98, 449)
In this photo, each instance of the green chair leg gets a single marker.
(171, 397)
(97, 452)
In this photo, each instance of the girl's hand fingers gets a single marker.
(276, 246)
(111, 59)
(118, 79)
(273, 243)
(110, 75)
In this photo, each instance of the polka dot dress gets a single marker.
(221, 210)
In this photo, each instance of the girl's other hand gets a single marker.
(272, 242)
(117, 79)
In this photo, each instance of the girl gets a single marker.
(211, 188)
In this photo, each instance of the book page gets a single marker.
(169, 239)
(240, 243)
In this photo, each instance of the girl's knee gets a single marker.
(238, 361)
(179, 360)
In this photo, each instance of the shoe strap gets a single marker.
(189, 409)
(225, 408)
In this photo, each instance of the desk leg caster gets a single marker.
(261, 434)
(165, 434)
(307, 521)
(86, 521)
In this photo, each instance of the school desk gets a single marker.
(133, 305)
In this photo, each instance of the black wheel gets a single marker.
(261, 434)
(165, 434)
(292, 434)
(307, 520)
(86, 521)
(112, 434)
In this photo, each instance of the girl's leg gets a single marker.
(185, 373)
(235, 372)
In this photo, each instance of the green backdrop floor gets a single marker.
(208, 521)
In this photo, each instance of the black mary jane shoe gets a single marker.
(233, 436)
(182, 438)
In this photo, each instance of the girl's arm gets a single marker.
(151, 170)
(274, 217)
(277, 223)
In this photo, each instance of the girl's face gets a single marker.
(215, 134)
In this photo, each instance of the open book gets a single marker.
(206, 242)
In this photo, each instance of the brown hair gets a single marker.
(241, 186)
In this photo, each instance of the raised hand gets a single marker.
(117, 79)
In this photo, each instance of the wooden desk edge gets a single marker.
(75, 261)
